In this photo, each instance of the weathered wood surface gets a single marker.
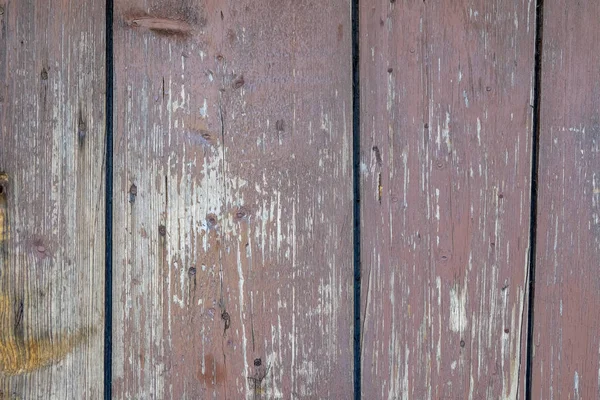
(445, 163)
(233, 200)
(52, 130)
(566, 337)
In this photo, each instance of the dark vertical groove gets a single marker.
(356, 191)
(537, 97)
(109, 210)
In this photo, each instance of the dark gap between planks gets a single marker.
(356, 191)
(109, 70)
(537, 96)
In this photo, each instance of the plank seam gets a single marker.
(537, 92)
(356, 192)
(109, 74)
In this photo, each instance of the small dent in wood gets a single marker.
(211, 221)
(280, 125)
(238, 81)
(379, 188)
(227, 321)
(44, 74)
(241, 213)
(81, 129)
(132, 193)
(3, 207)
(377, 155)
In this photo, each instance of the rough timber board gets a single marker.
(233, 200)
(446, 138)
(52, 131)
(566, 335)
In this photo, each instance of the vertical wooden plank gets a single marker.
(51, 199)
(566, 337)
(233, 200)
(445, 164)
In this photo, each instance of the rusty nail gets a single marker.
(192, 271)
(506, 330)
(426, 126)
(390, 70)
(257, 362)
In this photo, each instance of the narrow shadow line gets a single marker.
(356, 191)
(109, 75)
(537, 97)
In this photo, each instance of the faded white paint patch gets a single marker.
(458, 313)
(204, 109)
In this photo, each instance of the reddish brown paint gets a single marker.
(445, 164)
(52, 135)
(238, 138)
(566, 337)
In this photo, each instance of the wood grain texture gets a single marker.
(446, 133)
(233, 200)
(52, 131)
(566, 360)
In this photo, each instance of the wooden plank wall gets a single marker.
(233, 200)
(566, 337)
(446, 94)
(52, 135)
(233, 208)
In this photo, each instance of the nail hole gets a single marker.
(238, 82)
(257, 362)
(280, 125)
(241, 213)
(44, 74)
(462, 343)
(211, 219)
(162, 230)
(192, 271)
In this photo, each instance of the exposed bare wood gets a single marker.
(445, 164)
(233, 200)
(52, 130)
(566, 336)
